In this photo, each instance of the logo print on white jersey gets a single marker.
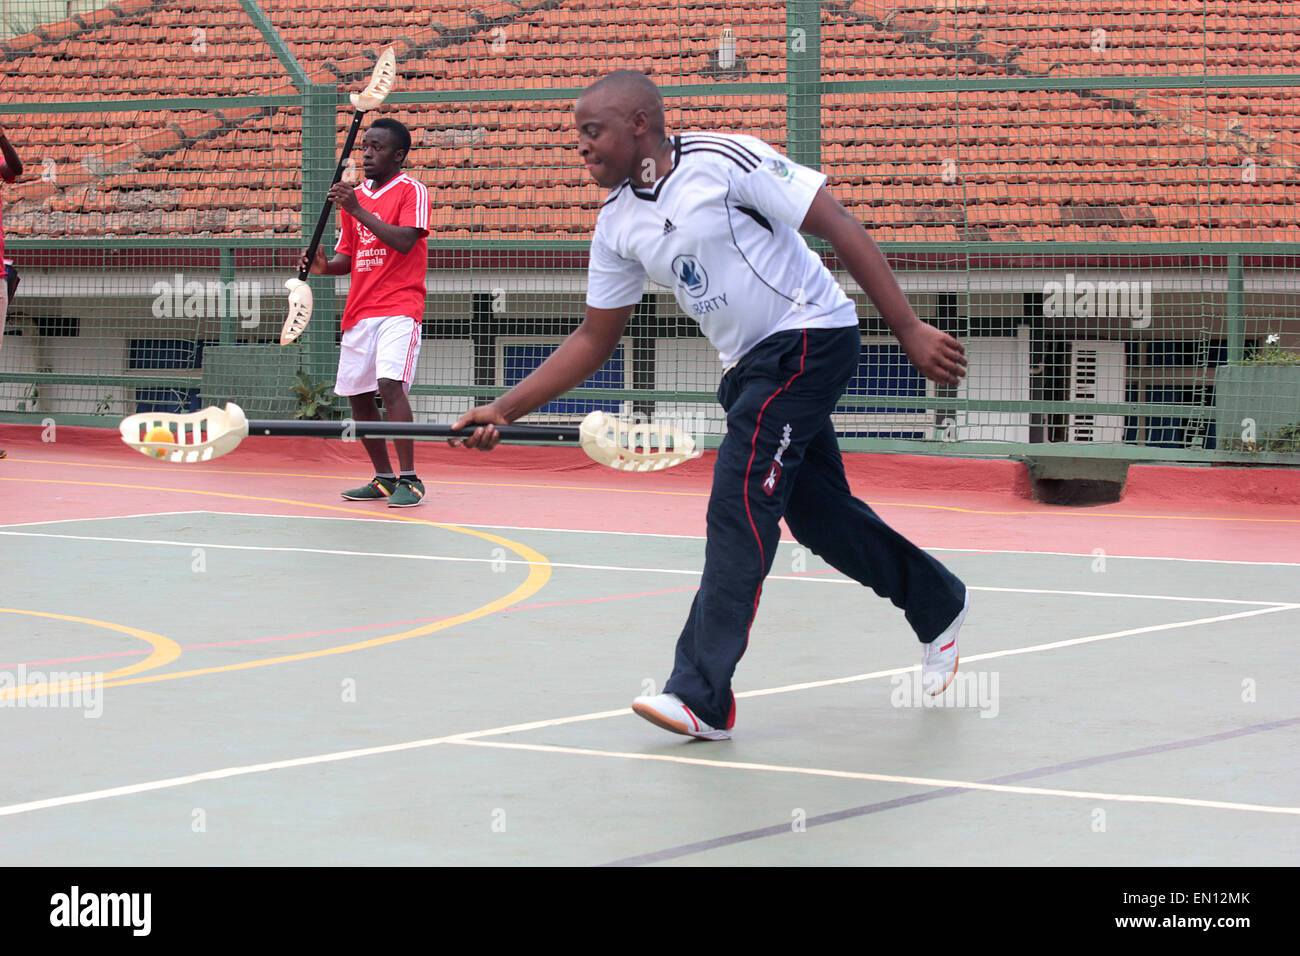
(779, 169)
(691, 275)
(669, 227)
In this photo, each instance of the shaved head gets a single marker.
(620, 121)
(631, 91)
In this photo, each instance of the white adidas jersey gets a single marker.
(720, 230)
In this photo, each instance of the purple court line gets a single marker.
(673, 853)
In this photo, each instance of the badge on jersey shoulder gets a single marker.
(780, 170)
(691, 275)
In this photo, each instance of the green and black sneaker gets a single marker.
(378, 488)
(407, 494)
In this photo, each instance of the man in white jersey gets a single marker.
(715, 217)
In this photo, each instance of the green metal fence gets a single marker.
(1101, 203)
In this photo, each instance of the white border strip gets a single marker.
(612, 567)
(151, 514)
(700, 537)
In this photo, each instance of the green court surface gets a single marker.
(333, 690)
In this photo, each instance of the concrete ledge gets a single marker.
(1262, 486)
(935, 473)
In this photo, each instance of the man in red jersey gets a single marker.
(10, 169)
(384, 224)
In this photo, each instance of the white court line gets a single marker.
(700, 537)
(150, 514)
(889, 778)
(1117, 594)
(1121, 557)
(256, 547)
(609, 567)
(891, 672)
(170, 782)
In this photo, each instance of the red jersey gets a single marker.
(385, 282)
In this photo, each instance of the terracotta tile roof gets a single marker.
(1094, 164)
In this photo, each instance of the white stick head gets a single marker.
(197, 436)
(637, 447)
(381, 82)
(300, 302)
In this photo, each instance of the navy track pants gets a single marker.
(780, 458)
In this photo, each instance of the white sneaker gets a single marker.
(939, 657)
(668, 711)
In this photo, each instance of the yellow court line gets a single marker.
(165, 650)
(529, 587)
(349, 478)
(539, 573)
(689, 494)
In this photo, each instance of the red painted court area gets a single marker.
(1234, 514)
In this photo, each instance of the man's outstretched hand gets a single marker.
(483, 420)
(937, 355)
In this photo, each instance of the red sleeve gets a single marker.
(415, 207)
(347, 234)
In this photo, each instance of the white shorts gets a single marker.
(381, 347)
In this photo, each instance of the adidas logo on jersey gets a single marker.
(669, 227)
